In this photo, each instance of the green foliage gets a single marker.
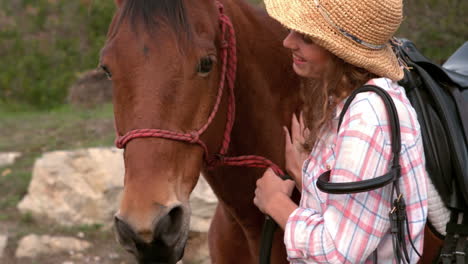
(89, 228)
(437, 27)
(45, 43)
(27, 218)
(9, 201)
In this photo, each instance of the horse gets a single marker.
(169, 61)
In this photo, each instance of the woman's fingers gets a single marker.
(295, 129)
(304, 130)
(301, 121)
(287, 138)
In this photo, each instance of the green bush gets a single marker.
(45, 43)
(437, 27)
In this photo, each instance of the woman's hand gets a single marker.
(269, 186)
(272, 197)
(295, 155)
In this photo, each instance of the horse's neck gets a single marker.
(266, 95)
(266, 87)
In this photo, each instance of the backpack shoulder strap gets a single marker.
(398, 213)
(366, 185)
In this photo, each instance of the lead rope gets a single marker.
(230, 70)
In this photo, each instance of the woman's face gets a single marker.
(309, 59)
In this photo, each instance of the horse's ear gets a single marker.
(118, 3)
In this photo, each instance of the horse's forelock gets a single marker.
(151, 12)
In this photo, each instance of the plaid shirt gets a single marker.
(348, 228)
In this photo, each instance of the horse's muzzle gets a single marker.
(168, 239)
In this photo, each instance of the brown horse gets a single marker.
(166, 60)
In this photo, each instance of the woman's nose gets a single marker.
(290, 41)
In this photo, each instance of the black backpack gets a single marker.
(440, 97)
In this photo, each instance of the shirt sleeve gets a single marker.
(346, 228)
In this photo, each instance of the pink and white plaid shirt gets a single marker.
(347, 228)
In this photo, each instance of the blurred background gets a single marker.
(52, 98)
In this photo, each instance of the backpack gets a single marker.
(440, 97)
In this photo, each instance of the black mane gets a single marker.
(152, 12)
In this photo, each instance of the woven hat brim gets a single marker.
(303, 16)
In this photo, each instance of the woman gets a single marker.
(339, 46)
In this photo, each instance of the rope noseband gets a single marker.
(228, 58)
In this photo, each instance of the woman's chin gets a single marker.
(303, 71)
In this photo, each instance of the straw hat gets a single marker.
(357, 31)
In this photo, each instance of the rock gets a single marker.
(196, 250)
(76, 255)
(7, 158)
(34, 245)
(76, 187)
(203, 204)
(91, 88)
(83, 186)
(3, 244)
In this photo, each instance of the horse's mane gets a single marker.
(152, 12)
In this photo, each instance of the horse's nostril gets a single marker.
(165, 245)
(125, 235)
(169, 226)
(176, 215)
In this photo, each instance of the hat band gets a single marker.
(345, 33)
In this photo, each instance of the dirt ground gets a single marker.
(104, 249)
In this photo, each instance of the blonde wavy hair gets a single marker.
(320, 96)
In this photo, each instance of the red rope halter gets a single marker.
(228, 74)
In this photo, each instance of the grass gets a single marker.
(61, 128)
(80, 228)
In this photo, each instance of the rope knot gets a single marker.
(195, 137)
(219, 158)
(215, 161)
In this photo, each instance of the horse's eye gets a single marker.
(205, 65)
(106, 71)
